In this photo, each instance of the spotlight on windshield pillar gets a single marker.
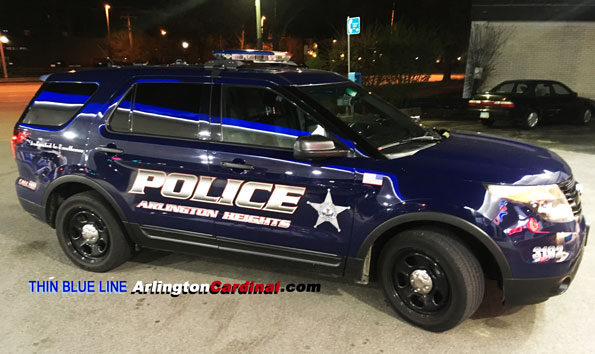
(163, 32)
(4, 39)
(185, 45)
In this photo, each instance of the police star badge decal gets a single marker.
(327, 211)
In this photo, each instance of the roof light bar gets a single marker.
(256, 56)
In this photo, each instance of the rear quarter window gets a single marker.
(56, 103)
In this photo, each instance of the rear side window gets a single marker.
(56, 103)
(521, 88)
(543, 90)
(162, 109)
(120, 121)
(504, 88)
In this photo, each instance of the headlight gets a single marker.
(548, 200)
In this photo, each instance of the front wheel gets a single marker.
(586, 116)
(430, 278)
(90, 234)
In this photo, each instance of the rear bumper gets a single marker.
(494, 114)
(531, 291)
(34, 209)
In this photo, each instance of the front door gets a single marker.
(265, 194)
(569, 109)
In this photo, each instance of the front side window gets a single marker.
(259, 116)
(57, 102)
(162, 109)
(375, 120)
(543, 90)
(560, 90)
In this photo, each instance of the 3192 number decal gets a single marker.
(546, 253)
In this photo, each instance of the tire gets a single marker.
(488, 122)
(531, 120)
(90, 234)
(457, 281)
(585, 117)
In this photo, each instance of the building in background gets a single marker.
(541, 39)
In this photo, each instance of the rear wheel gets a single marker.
(431, 279)
(531, 120)
(90, 233)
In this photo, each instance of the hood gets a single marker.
(481, 158)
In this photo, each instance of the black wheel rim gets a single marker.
(410, 261)
(86, 235)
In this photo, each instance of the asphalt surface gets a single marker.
(343, 317)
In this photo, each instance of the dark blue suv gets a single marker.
(269, 159)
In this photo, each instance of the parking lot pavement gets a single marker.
(343, 317)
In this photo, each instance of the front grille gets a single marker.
(573, 196)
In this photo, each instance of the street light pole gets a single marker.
(348, 49)
(3, 40)
(258, 25)
(109, 44)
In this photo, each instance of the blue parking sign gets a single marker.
(353, 25)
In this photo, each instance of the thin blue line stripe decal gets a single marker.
(55, 97)
(265, 128)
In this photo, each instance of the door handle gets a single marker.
(110, 149)
(237, 166)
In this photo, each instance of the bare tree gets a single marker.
(485, 44)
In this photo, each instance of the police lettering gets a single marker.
(282, 198)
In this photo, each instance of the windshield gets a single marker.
(378, 122)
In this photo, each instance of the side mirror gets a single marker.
(310, 147)
(574, 94)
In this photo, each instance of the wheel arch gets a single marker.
(481, 244)
(66, 186)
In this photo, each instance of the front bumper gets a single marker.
(531, 291)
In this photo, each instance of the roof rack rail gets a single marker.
(223, 64)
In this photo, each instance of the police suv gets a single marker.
(251, 154)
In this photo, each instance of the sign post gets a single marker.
(353, 27)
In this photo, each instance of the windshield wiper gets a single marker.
(428, 138)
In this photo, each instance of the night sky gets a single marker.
(303, 18)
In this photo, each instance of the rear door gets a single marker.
(151, 153)
(265, 194)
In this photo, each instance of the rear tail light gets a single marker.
(489, 103)
(504, 104)
(18, 138)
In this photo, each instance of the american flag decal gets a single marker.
(372, 178)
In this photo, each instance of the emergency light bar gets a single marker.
(256, 56)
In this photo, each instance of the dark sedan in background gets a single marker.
(532, 102)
